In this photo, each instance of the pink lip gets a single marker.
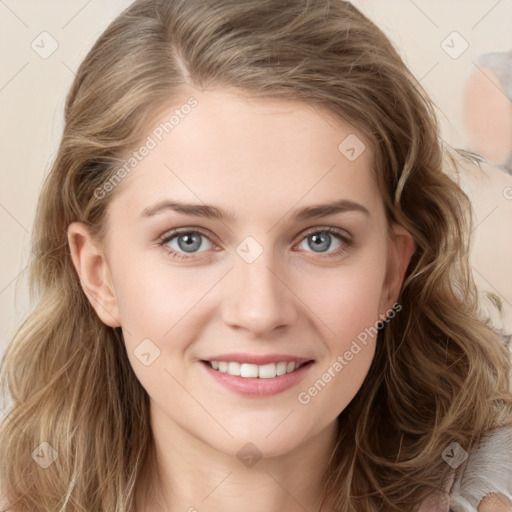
(257, 359)
(256, 387)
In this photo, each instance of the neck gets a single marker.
(189, 475)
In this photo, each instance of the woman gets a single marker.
(192, 347)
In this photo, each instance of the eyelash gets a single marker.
(169, 235)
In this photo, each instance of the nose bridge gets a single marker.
(260, 301)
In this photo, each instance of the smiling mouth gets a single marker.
(264, 371)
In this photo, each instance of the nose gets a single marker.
(258, 299)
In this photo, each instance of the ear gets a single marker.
(401, 249)
(94, 273)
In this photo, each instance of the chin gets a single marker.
(253, 444)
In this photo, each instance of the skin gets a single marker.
(260, 160)
(495, 503)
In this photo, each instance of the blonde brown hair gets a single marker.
(439, 374)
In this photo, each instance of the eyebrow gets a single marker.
(213, 212)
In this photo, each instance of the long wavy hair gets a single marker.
(439, 374)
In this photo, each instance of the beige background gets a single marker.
(33, 89)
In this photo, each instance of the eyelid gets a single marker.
(169, 235)
(342, 234)
(313, 229)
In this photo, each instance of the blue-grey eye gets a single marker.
(189, 241)
(321, 241)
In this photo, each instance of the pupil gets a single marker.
(190, 240)
(318, 242)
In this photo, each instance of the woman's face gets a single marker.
(254, 276)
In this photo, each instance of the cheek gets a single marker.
(346, 299)
(159, 302)
(153, 296)
(155, 317)
(334, 385)
(348, 310)
(349, 313)
(161, 310)
(149, 307)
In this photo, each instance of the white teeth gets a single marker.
(281, 368)
(248, 370)
(233, 368)
(265, 371)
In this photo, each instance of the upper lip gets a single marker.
(259, 359)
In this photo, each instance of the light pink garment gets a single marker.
(439, 502)
(487, 470)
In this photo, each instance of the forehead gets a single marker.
(252, 156)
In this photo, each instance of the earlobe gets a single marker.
(402, 248)
(93, 273)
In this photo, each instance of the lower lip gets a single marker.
(256, 387)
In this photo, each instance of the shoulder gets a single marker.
(488, 469)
